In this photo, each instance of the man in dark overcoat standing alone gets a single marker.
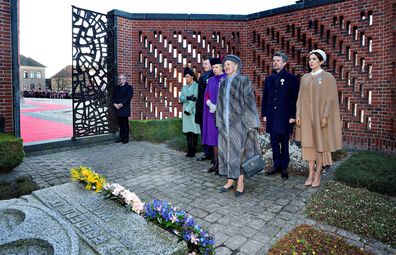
(280, 94)
(202, 83)
(122, 97)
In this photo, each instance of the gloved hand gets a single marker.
(191, 98)
(212, 107)
(186, 113)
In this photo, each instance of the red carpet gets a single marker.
(36, 129)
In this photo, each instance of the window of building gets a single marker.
(38, 75)
(25, 74)
(31, 75)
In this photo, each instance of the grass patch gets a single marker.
(169, 131)
(356, 210)
(371, 170)
(156, 131)
(21, 186)
(307, 240)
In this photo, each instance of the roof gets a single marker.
(26, 61)
(66, 72)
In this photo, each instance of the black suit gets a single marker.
(278, 106)
(123, 95)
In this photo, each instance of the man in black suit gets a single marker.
(279, 111)
(123, 94)
(202, 83)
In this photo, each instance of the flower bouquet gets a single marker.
(90, 178)
(181, 224)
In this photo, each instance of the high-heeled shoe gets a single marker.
(224, 189)
(239, 193)
(213, 168)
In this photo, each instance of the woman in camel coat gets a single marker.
(318, 117)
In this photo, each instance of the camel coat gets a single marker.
(317, 99)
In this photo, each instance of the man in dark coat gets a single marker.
(122, 97)
(202, 82)
(279, 111)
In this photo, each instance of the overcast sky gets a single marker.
(45, 25)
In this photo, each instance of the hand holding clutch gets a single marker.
(323, 122)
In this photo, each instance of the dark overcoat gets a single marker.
(202, 83)
(279, 101)
(123, 95)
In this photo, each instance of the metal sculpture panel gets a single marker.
(90, 87)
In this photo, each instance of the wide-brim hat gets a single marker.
(234, 59)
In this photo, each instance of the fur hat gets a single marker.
(215, 61)
(234, 59)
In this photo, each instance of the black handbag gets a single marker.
(255, 164)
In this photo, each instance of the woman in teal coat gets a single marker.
(188, 97)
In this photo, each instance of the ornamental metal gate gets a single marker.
(91, 88)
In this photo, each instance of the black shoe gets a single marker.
(125, 141)
(284, 174)
(118, 141)
(217, 171)
(272, 172)
(213, 169)
(190, 155)
(239, 193)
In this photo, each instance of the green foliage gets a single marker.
(357, 210)
(11, 152)
(21, 186)
(371, 170)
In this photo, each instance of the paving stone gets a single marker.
(234, 242)
(248, 232)
(251, 247)
(256, 224)
(270, 207)
(220, 238)
(223, 251)
(213, 217)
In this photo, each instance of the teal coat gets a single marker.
(189, 124)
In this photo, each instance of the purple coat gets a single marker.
(209, 129)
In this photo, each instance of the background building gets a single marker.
(31, 74)
(62, 80)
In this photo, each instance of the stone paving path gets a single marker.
(250, 224)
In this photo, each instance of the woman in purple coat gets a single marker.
(209, 129)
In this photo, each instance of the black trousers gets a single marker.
(280, 150)
(123, 124)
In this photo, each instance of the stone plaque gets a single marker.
(67, 219)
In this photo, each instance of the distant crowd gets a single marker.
(47, 93)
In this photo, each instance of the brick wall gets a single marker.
(358, 36)
(6, 65)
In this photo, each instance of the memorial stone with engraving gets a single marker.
(67, 219)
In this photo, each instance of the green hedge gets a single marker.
(371, 170)
(169, 131)
(11, 152)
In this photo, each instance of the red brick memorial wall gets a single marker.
(6, 66)
(358, 36)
